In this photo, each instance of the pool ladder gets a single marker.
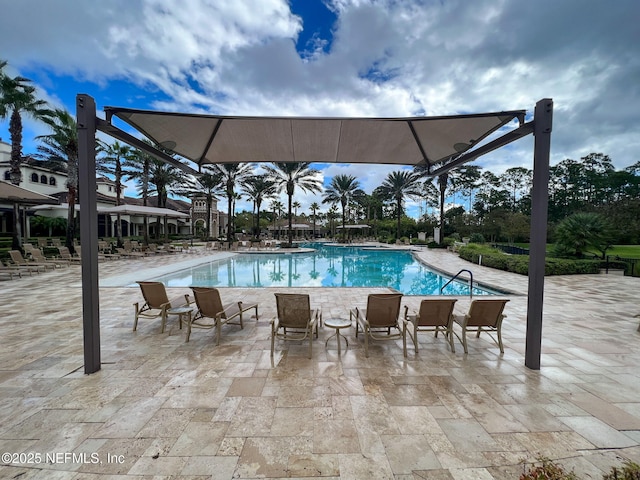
(456, 276)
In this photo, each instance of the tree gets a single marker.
(517, 179)
(138, 166)
(443, 180)
(581, 231)
(259, 188)
(397, 186)
(342, 189)
(287, 176)
(232, 174)
(62, 146)
(314, 207)
(115, 154)
(18, 97)
(163, 179)
(276, 208)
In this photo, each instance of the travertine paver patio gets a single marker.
(163, 408)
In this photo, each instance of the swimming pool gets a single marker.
(327, 266)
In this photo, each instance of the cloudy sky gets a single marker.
(344, 57)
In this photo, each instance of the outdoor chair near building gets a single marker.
(65, 254)
(38, 257)
(42, 242)
(210, 306)
(157, 304)
(485, 315)
(19, 260)
(434, 315)
(11, 270)
(379, 318)
(295, 319)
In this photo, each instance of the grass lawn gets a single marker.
(631, 251)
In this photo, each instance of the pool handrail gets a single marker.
(456, 276)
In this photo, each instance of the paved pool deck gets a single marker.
(161, 408)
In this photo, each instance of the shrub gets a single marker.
(476, 238)
(547, 470)
(520, 263)
(629, 471)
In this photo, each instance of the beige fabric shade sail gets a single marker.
(15, 194)
(206, 139)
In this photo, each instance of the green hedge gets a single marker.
(520, 263)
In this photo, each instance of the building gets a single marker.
(41, 179)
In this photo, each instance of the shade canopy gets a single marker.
(353, 226)
(206, 139)
(143, 211)
(15, 194)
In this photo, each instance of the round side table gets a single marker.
(337, 323)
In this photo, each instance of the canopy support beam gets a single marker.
(115, 132)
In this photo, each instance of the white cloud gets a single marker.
(387, 58)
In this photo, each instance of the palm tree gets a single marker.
(443, 180)
(296, 205)
(138, 166)
(115, 155)
(314, 207)
(62, 146)
(343, 189)
(276, 208)
(232, 174)
(400, 184)
(164, 178)
(18, 96)
(259, 188)
(288, 176)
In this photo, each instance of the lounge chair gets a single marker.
(485, 315)
(38, 257)
(377, 320)
(157, 304)
(65, 254)
(19, 260)
(210, 306)
(434, 315)
(295, 319)
(11, 270)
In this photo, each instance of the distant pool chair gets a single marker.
(434, 315)
(485, 315)
(377, 320)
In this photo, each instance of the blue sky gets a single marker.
(343, 57)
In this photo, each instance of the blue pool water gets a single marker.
(327, 266)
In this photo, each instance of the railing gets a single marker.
(456, 276)
(511, 249)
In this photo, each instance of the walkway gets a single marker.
(164, 407)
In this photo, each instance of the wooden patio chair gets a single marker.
(20, 261)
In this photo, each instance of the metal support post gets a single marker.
(543, 118)
(86, 118)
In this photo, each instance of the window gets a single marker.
(43, 179)
(7, 175)
(52, 181)
(34, 177)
